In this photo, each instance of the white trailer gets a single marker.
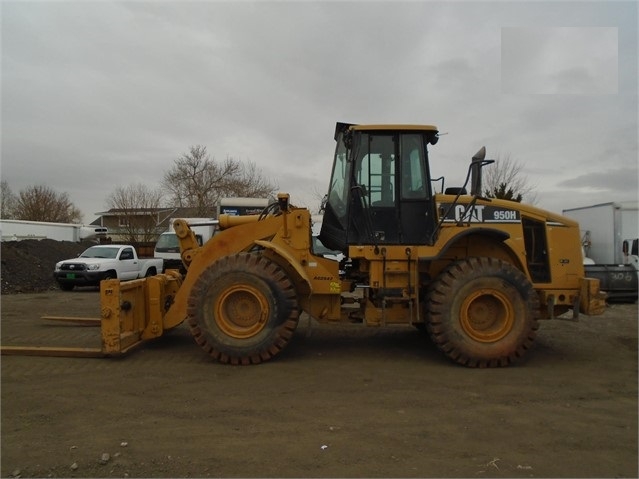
(610, 233)
(604, 228)
(16, 230)
(242, 206)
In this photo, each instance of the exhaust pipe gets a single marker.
(477, 163)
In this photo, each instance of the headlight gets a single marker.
(57, 266)
(93, 267)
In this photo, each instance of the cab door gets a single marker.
(393, 203)
(416, 211)
(376, 174)
(129, 265)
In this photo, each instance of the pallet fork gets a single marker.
(130, 313)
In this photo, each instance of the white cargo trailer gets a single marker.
(610, 233)
(605, 227)
(16, 230)
(242, 206)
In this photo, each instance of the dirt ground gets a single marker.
(340, 401)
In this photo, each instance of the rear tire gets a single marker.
(483, 312)
(243, 309)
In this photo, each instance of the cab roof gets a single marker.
(384, 127)
(395, 127)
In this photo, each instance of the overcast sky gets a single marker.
(98, 94)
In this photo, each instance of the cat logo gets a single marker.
(478, 214)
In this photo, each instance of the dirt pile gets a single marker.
(27, 266)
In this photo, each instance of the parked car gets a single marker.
(104, 262)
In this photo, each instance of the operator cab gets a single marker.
(380, 188)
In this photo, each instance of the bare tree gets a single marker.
(249, 182)
(7, 201)
(137, 206)
(41, 203)
(197, 181)
(505, 180)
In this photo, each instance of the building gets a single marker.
(142, 225)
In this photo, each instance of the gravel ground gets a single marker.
(340, 401)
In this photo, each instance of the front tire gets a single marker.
(483, 312)
(243, 309)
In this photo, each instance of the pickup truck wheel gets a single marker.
(243, 309)
(150, 272)
(107, 275)
(482, 312)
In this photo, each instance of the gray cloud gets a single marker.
(615, 181)
(560, 60)
(100, 94)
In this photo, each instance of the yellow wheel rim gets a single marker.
(487, 315)
(242, 311)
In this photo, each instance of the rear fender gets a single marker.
(482, 242)
(495, 236)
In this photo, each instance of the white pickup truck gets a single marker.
(104, 262)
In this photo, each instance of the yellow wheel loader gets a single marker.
(476, 273)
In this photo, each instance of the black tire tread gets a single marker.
(445, 286)
(283, 290)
